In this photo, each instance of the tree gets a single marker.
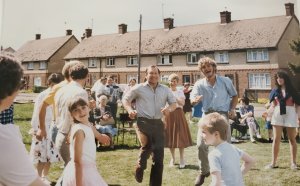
(295, 47)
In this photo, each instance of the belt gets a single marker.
(220, 112)
(143, 118)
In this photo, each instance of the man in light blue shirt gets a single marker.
(217, 94)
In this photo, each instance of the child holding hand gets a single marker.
(224, 159)
(82, 170)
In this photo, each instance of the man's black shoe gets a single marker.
(139, 173)
(200, 179)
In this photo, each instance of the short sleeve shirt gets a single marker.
(149, 102)
(225, 158)
(16, 167)
(216, 97)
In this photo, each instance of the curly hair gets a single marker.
(11, 73)
(79, 71)
(207, 60)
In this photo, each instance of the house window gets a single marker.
(132, 76)
(164, 60)
(192, 58)
(259, 81)
(257, 55)
(30, 66)
(37, 81)
(132, 61)
(42, 65)
(164, 78)
(186, 78)
(93, 62)
(110, 62)
(222, 57)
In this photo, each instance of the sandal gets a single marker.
(294, 166)
(271, 166)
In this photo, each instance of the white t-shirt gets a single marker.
(16, 169)
(225, 158)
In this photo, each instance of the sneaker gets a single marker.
(294, 166)
(233, 140)
(258, 136)
(271, 166)
(139, 173)
(253, 140)
(200, 179)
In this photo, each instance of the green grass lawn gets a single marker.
(117, 166)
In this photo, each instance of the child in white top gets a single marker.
(224, 159)
(82, 170)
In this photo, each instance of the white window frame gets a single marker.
(92, 62)
(164, 59)
(30, 66)
(37, 81)
(222, 57)
(110, 62)
(132, 61)
(257, 55)
(192, 58)
(164, 78)
(259, 81)
(132, 76)
(43, 65)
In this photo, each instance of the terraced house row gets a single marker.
(247, 51)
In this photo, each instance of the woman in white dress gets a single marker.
(43, 153)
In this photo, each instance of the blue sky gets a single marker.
(22, 19)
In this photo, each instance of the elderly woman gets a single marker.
(104, 119)
(177, 133)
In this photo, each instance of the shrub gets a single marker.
(38, 89)
(262, 100)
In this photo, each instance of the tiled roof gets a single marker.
(240, 34)
(40, 50)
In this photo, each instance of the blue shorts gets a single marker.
(268, 125)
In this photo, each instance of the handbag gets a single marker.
(109, 121)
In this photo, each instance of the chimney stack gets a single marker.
(168, 23)
(289, 8)
(37, 36)
(225, 17)
(68, 32)
(88, 32)
(122, 28)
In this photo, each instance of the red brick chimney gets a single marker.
(68, 32)
(37, 36)
(289, 8)
(168, 23)
(122, 28)
(88, 32)
(225, 17)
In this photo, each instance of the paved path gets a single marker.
(25, 97)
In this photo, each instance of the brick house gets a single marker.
(41, 57)
(248, 51)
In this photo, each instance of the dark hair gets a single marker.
(245, 100)
(66, 69)
(74, 102)
(54, 78)
(288, 85)
(152, 66)
(79, 71)
(11, 73)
